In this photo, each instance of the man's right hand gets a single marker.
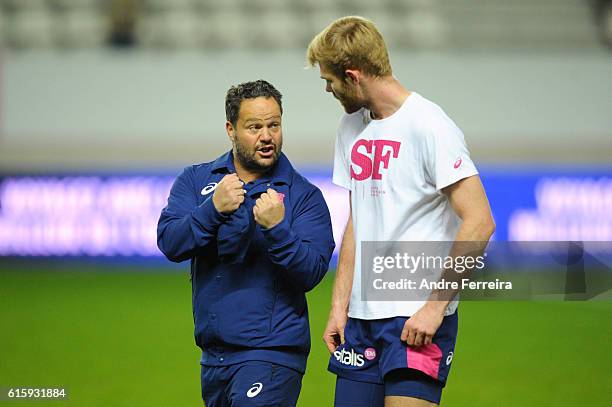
(229, 194)
(333, 336)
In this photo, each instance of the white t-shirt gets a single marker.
(396, 168)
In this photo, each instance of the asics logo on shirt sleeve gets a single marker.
(363, 166)
(209, 188)
(254, 390)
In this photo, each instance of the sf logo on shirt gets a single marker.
(383, 151)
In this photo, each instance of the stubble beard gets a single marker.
(247, 158)
(349, 101)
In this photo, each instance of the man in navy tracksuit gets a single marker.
(259, 237)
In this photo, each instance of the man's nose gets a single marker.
(265, 135)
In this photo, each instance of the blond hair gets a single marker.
(351, 42)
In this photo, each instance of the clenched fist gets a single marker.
(269, 209)
(229, 194)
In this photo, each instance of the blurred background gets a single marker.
(103, 102)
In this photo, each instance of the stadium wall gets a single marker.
(110, 109)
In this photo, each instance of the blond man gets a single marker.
(410, 178)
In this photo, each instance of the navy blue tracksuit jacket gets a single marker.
(248, 283)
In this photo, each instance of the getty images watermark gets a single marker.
(411, 264)
(411, 271)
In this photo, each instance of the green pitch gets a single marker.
(123, 337)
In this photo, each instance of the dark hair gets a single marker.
(248, 90)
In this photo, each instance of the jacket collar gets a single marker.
(281, 173)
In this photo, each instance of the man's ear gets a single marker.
(229, 128)
(353, 76)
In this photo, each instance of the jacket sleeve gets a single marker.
(304, 247)
(184, 227)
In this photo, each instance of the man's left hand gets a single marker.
(421, 327)
(269, 209)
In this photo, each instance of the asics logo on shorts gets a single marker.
(255, 390)
(449, 358)
(349, 358)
